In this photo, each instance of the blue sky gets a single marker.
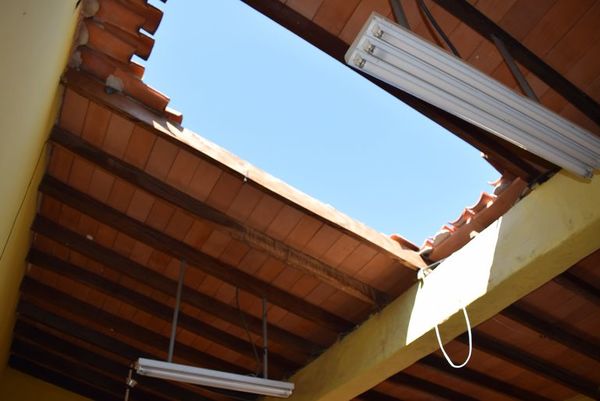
(261, 92)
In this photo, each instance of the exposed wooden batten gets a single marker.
(252, 237)
(196, 259)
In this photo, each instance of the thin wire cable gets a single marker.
(437, 28)
(14, 222)
(245, 324)
(437, 333)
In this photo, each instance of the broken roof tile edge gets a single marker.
(474, 219)
(109, 34)
(91, 87)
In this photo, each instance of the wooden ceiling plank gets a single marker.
(480, 379)
(137, 272)
(38, 371)
(29, 334)
(555, 331)
(149, 305)
(78, 371)
(40, 293)
(487, 28)
(195, 258)
(532, 363)
(252, 237)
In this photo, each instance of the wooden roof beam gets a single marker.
(252, 237)
(539, 322)
(29, 336)
(480, 379)
(573, 283)
(543, 235)
(195, 258)
(123, 265)
(35, 369)
(477, 21)
(36, 294)
(93, 89)
(153, 307)
(532, 363)
(78, 371)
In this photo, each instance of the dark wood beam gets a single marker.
(253, 238)
(196, 259)
(479, 379)
(578, 286)
(92, 88)
(61, 380)
(42, 295)
(122, 265)
(153, 307)
(504, 155)
(428, 387)
(108, 381)
(33, 337)
(472, 17)
(532, 363)
(37, 332)
(538, 321)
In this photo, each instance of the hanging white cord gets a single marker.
(437, 333)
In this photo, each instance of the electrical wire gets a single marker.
(245, 324)
(31, 179)
(437, 27)
(437, 333)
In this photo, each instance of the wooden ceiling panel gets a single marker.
(141, 143)
(117, 135)
(308, 8)
(161, 158)
(96, 123)
(334, 14)
(360, 15)
(73, 112)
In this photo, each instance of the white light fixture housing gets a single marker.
(395, 55)
(213, 378)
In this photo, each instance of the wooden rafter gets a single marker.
(539, 322)
(252, 237)
(480, 379)
(122, 265)
(93, 89)
(578, 286)
(60, 379)
(149, 305)
(196, 259)
(477, 21)
(532, 363)
(106, 380)
(29, 336)
(37, 293)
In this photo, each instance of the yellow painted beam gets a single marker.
(35, 38)
(543, 235)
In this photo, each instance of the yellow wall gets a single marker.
(17, 386)
(35, 39)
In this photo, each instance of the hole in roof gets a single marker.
(261, 92)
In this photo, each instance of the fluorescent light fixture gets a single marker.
(213, 378)
(397, 56)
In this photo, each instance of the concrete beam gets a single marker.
(542, 236)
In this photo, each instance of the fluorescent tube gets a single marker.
(395, 55)
(213, 378)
